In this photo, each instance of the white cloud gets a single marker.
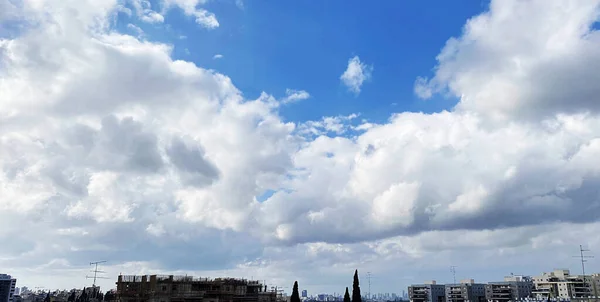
(217, 56)
(143, 9)
(190, 8)
(136, 29)
(239, 4)
(356, 74)
(498, 69)
(293, 96)
(329, 124)
(111, 147)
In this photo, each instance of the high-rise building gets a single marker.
(304, 294)
(7, 288)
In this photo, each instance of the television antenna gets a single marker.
(583, 258)
(369, 278)
(96, 271)
(453, 270)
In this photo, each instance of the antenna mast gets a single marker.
(583, 259)
(369, 278)
(96, 271)
(453, 270)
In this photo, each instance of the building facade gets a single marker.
(465, 291)
(428, 292)
(560, 284)
(513, 288)
(7, 288)
(156, 288)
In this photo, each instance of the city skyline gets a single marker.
(298, 140)
(454, 276)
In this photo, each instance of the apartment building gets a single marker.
(7, 288)
(562, 285)
(513, 288)
(595, 284)
(427, 292)
(157, 288)
(465, 291)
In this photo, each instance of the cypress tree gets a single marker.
(108, 296)
(295, 296)
(347, 295)
(83, 297)
(71, 297)
(356, 289)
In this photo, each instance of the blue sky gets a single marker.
(276, 45)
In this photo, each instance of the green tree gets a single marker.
(295, 295)
(109, 296)
(71, 297)
(347, 295)
(356, 289)
(84, 296)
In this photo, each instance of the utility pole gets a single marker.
(453, 270)
(96, 271)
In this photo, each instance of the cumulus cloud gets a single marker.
(217, 56)
(293, 96)
(111, 148)
(500, 70)
(356, 74)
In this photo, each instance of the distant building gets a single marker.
(465, 291)
(512, 289)
(428, 292)
(7, 288)
(561, 284)
(304, 293)
(156, 288)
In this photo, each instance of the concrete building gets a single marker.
(561, 284)
(428, 292)
(7, 288)
(156, 288)
(512, 289)
(304, 293)
(465, 291)
(595, 282)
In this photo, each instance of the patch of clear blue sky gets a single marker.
(273, 45)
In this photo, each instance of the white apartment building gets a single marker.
(562, 285)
